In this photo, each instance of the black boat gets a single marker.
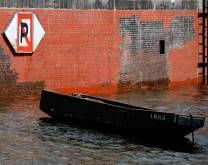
(98, 112)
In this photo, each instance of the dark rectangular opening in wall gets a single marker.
(162, 46)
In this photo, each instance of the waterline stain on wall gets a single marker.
(9, 77)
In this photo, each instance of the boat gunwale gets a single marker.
(123, 107)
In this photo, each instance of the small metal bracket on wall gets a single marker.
(162, 46)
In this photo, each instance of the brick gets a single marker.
(84, 49)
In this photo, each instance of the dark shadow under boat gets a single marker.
(79, 131)
(118, 117)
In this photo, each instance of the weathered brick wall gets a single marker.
(95, 51)
(141, 57)
(104, 4)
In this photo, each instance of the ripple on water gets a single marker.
(27, 139)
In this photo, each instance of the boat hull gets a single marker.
(111, 115)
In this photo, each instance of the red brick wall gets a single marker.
(81, 50)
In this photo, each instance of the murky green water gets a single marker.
(27, 138)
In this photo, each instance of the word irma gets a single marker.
(159, 117)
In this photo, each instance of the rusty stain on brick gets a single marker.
(141, 60)
(8, 80)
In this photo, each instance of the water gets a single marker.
(26, 137)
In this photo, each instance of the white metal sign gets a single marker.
(24, 32)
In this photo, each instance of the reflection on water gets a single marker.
(26, 137)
